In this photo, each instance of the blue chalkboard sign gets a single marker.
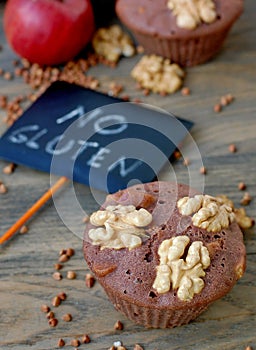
(92, 138)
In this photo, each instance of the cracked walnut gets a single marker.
(183, 274)
(121, 226)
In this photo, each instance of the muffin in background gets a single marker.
(160, 258)
(187, 32)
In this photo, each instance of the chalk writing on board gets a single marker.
(78, 133)
(30, 135)
(77, 112)
(124, 171)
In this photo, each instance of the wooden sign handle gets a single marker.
(32, 210)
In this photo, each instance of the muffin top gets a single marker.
(166, 234)
(161, 18)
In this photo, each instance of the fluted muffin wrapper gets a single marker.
(154, 317)
(185, 51)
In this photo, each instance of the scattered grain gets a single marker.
(75, 342)
(61, 343)
(163, 93)
(223, 101)
(45, 308)
(71, 275)
(136, 100)
(9, 169)
(146, 92)
(203, 170)
(176, 154)
(137, 347)
(39, 78)
(58, 266)
(115, 89)
(241, 186)
(23, 229)
(126, 98)
(3, 101)
(3, 188)
(63, 258)
(70, 252)
(86, 339)
(57, 276)
(229, 98)
(53, 322)
(50, 315)
(118, 325)
(246, 199)
(186, 161)
(7, 76)
(56, 301)
(86, 219)
(185, 91)
(67, 317)
(232, 148)
(217, 108)
(89, 280)
(62, 296)
(18, 72)
(62, 252)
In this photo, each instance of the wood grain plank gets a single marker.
(27, 261)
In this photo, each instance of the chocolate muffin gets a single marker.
(187, 32)
(163, 253)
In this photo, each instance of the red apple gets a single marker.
(48, 32)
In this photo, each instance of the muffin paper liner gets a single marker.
(153, 317)
(186, 52)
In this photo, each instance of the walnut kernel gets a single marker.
(112, 43)
(122, 226)
(183, 274)
(209, 213)
(190, 13)
(157, 74)
(241, 217)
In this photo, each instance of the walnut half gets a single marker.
(112, 43)
(209, 213)
(190, 13)
(242, 219)
(120, 226)
(157, 74)
(183, 274)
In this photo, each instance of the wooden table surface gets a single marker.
(27, 261)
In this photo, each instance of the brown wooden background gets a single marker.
(26, 262)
